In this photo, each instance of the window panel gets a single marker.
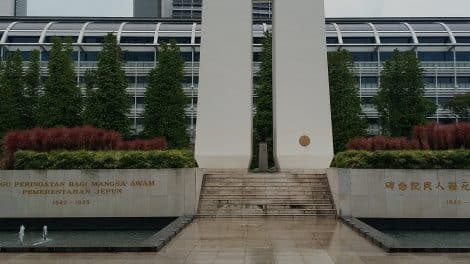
(258, 40)
(139, 56)
(179, 40)
(463, 79)
(89, 56)
(137, 40)
(396, 40)
(391, 27)
(463, 39)
(359, 40)
(364, 56)
(93, 39)
(332, 40)
(434, 40)
(463, 56)
(23, 39)
(384, 56)
(435, 56)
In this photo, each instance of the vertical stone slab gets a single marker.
(302, 119)
(223, 132)
(263, 160)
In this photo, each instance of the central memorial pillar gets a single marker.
(302, 119)
(224, 124)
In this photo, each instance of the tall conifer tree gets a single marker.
(400, 100)
(12, 101)
(165, 101)
(263, 120)
(89, 105)
(32, 81)
(61, 103)
(345, 104)
(108, 106)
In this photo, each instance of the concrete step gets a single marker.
(264, 186)
(238, 196)
(266, 212)
(264, 189)
(266, 207)
(265, 201)
(312, 206)
(265, 176)
(267, 186)
(278, 194)
(258, 182)
(266, 193)
(271, 215)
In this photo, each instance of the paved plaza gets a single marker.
(249, 241)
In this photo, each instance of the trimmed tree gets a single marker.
(32, 82)
(345, 104)
(263, 119)
(108, 106)
(12, 101)
(61, 103)
(90, 84)
(165, 101)
(400, 100)
(460, 105)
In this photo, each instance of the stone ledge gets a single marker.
(152, 244)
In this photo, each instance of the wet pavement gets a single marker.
(260, 240)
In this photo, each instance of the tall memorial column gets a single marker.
(302, 117)
(224, 125)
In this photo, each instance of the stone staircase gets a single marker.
(268, 194)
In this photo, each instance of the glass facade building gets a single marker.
(443, 46)
(192, 9)
(187, 9)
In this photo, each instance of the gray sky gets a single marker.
(334, 8)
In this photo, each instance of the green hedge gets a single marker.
(66, 160)
(406, 159)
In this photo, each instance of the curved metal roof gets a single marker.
(352, 32)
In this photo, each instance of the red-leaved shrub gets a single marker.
(420, 135)
(158, 143)
(431, 136)
(61, 138)
(75, 138)
(463, 135)
(381, 143)
(442, 137)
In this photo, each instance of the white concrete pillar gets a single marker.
(224, 125)
(302, 116)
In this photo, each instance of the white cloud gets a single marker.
(334, 8)
(397, 8)
(357, 8)
(107, 8)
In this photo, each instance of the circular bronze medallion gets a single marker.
(304, 141)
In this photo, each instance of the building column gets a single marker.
(224, 125)
(302, 117)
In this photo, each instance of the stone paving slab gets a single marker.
(260, 241)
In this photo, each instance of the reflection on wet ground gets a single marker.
(249, 241)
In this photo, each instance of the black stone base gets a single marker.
(152, 244)
(369, 228)
(86, 223)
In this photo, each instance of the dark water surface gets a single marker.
(431, 239)
(78, 238)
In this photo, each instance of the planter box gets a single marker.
(99, 193)
(401, 193)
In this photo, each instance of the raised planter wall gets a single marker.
(99, 193)
(401, 193)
